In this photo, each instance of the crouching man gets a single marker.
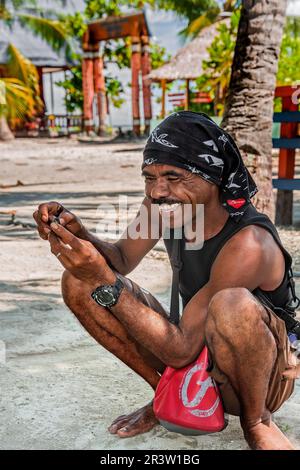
(231, 286)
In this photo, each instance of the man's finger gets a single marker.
(43, 213)
(43, 228)
(65, 217)
(44, 232)
(67, 237)
(48, 208)
(60, 250)
(35, 215)
(57, 246)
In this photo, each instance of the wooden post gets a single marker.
(51, 93)
(99, 87)
(135, 87)
(146, 69)
(163, 98)
(286, 166)
(87, 83)
(41, 86)
(88, 91)
(187, 95)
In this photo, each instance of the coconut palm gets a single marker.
(248, 112)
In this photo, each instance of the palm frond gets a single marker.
(5, 14)
(19, 66)
(22, 69)
(8, 9)
(22, 3)
(52, 31)
(231, 5)
(19, 100)
(206, 19)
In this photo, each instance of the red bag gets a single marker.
(188, 401)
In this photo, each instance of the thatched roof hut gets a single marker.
(187, 63)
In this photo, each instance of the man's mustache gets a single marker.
(164, 201)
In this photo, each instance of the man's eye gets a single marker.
(173, 178)
(149, 178)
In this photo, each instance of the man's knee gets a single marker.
(232, 309)
(71, 289)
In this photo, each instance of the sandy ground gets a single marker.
(59, 389)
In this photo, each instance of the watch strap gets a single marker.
(118, 285)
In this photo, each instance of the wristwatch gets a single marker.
(108, 295)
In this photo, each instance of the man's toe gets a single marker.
(116, 424)
(129, 431)
(133, 429)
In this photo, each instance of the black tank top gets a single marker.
(196, 264)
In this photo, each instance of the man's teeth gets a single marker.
(169, 207)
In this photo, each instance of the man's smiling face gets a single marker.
(172, 188)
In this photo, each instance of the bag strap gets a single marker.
(176, 265)
(292, 325)
(291, 282)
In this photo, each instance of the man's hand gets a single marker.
(79, 257)
(46, 213)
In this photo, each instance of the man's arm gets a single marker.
(244, 261)
(178, 346)
(122, 256)
(125, 254)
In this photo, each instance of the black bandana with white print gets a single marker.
(193, 141)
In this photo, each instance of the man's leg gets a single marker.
(110, 333)
(244, 349)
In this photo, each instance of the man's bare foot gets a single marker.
(138, 422)
(267, 437)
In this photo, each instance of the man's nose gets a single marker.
(160, 190)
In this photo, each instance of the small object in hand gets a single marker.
(54, 219)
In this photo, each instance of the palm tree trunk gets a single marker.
(248, 112)
(5, 132)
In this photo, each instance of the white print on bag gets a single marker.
(161, 139)
(204, 386)
(211, 143)
(212, 161)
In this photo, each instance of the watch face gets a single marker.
(105, 296)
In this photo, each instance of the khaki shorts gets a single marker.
(280, 388)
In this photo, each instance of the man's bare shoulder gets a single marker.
(254, 238)
(251, 254)
(243, 251)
